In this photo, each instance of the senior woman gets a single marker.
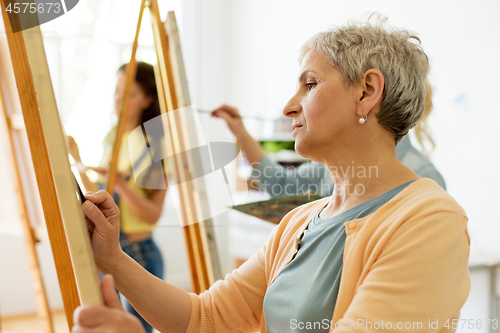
(388, 251)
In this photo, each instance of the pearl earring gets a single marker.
(363, 119)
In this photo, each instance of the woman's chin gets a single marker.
(301, 149)
(309, 151)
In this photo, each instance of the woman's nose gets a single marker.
(292, 108)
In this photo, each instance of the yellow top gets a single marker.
(133, 148)
(405, 263)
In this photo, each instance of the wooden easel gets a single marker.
(173, 94)
(203, 250)
(64, 218)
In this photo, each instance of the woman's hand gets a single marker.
(102, 216)
(73, 149)
(110, 318)
(233, 119)
(121, 177)
(103, 171)
(121, 182)
(251, 148)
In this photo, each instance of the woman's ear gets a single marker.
(372, 85)
(148, 102)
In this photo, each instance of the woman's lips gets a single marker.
(295, 128)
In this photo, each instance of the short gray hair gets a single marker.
(396, 53)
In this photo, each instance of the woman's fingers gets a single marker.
(96, 216)
(73, 148)
(101, 198)
(88, 316)
(99, 170)
(101, 211)
(94, 319)
(226, 116)
(103, 319)
(106, 205)
(71, 141)
(232, 118)
(90, 224)
(226, 109)
(109, 293)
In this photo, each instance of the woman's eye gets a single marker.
(310, 85)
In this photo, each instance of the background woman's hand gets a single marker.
(121, 177)
(75, 153)
(121, 182)
(102, 171)
(251, 148)
(233, 119)
(102, 216)
(110, 318)
(73, 149)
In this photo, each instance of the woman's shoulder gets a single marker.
(110, 136)
(427, 192)
(423, 209)
(421, 198)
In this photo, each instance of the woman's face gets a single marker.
(138, 101)
(323, 109)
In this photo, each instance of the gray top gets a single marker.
(303, 296)
(278, 181)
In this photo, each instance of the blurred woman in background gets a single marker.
(140, 208)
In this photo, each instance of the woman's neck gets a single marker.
(131, 124)
(363, 174)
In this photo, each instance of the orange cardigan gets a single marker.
(405, 264)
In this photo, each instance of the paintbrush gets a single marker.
(240, 116)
